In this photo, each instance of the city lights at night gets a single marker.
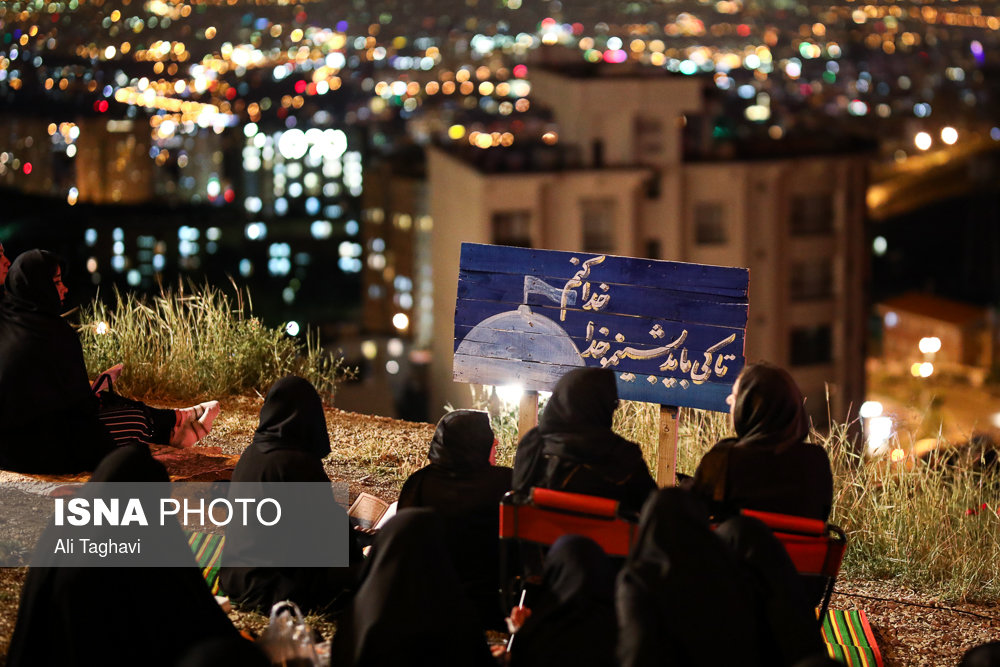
(772, 225)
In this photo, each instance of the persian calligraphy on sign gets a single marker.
(673, 332)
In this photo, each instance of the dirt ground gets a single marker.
(374, 454)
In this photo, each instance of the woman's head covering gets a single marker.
(410, 608)
(572, 616)
(673, 529)
(769, 408)
(29, 281)
(583, 400)
(292, 418)
(576, 568)
(680, 569)
(462, 441)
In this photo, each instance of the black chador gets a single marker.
(462, 486)
(289, 446)
(48, 414)
(768, 466)
(574, 449)
(117, 615)
(410, 608)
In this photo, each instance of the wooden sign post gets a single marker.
(672, 332)
(527, 412)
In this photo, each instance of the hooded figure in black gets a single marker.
(289, 446)
(682, 598)
(89, 616)
(572, 620)
(463, 487)
(48, 414)
(410, 608)
(768, 466)
(574, 449)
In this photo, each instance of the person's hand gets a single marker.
(518, 615)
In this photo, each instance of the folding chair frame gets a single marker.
(815, 547)
(548, 515)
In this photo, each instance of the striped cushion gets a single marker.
(207, 549)
(849, 638)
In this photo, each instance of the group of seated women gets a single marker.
(687, 594)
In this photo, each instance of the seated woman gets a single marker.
(410, 608)
(768, 466)
(572, 620)
(574, 449)
(52, 420)
(116, 616)
(289, 446)
(463, 487)
(696, 595)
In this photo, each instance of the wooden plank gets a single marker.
(666, 451)
(621, 300)
(680, 365)
(507, 287)
(543, 377)
(614, 269)
(616, 330)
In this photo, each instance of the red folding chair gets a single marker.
(815, 547)
(548, 515)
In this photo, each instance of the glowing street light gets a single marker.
(922, 141)
(879, 432)
(949, 135)
(870, 409)
(929, 344)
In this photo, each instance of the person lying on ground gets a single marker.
(410, 608)
(52, 421)
(289, 446)
(465, 488)
(574, 449)
(769, 466)
(116, 616)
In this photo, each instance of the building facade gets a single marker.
(624, 185)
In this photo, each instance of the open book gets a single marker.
(370, 511)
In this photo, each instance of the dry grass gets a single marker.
(198, 343)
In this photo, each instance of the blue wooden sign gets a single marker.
(672, 332)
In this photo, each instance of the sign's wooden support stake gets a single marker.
(666, 449)
(527, 413)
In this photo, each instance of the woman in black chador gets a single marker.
(410, 608)
(768, 466)
(681, 594)
(464, 487)
(705, 598)
(114, 616)
(48, 414)
(289, 446)
(52, 422)
(574, 449)
(572, 620)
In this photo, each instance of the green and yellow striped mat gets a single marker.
(207, 549)
(849, 638)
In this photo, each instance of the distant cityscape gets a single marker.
(285, 146)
